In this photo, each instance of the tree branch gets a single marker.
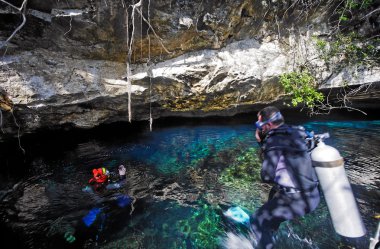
(370, 13)
(155, 34)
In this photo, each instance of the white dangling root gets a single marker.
(129, 89)
(150, 74)
(1, 121)
(130, 43)
(18, 132)
(137, 7)
(132, 206)
(150, 98)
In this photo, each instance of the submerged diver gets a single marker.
(102, 178)
(286, 164)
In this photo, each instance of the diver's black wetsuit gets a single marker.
(287, 164)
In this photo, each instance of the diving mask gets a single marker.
(276, 116)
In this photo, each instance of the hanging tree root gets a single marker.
(137, 8)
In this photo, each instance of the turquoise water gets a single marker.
(181, 179)
(171, 150)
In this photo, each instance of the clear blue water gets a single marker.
(175, 179)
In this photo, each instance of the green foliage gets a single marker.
(244, 170)
(209, 228)
(346, 9)
(352, 4)
(344, 18)
(352, 44)
(323, 48)
(203, 228)
(69, 237)
(344, 48)
(366, 3)
(301, 86)
(349, 49)
(321, 44)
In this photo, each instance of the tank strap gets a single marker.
(331, 164)
(284, 148)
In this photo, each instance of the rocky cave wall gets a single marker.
(67, 65)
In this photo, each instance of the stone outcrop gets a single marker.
(67, 65)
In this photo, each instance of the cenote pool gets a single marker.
(180, 179)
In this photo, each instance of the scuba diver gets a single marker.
(287, 165)
(109, 191)
(102, 178)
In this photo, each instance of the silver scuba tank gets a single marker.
(329, 166)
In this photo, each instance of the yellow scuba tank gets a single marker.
(329, 166)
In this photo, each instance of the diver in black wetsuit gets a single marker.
(286, 164)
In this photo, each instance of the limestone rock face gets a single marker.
(67, 66)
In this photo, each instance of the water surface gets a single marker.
(180, 179)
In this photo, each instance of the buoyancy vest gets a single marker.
(290, 140)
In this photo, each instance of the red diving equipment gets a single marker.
(100, 176)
